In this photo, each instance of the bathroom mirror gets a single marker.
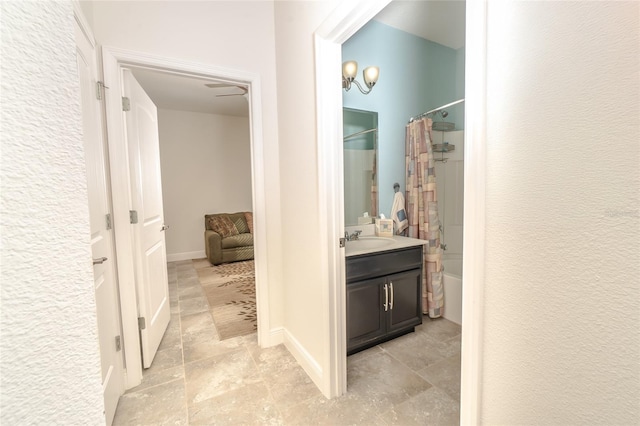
(360, 146)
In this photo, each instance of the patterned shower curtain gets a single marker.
(422, 211)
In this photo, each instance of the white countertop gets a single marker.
(372, 244)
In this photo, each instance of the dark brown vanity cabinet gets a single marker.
(383, 296)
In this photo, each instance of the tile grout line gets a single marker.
(433, 385)
(131, 391)
(185, 363)
(262, 377)
(415, 372)
(184, 370)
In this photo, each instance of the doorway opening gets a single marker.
(114, 61)
(334, 31)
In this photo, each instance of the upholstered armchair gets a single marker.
(228, 237)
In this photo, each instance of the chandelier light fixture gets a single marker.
(349, 71)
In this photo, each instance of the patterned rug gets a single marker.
(230, 289)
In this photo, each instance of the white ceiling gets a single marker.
(441, 21)
(182, 93)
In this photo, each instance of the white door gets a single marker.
(106, 291)
(141, 122)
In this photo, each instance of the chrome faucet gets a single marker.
(352, 237)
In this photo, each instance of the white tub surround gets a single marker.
(450, 187)
(452, 283)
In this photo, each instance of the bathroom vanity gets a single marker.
(384, 279)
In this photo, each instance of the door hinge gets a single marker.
(108, 219)
(142, 323)
(343, 242)
(126, 104)
(133, 216)
(118, 343)
(100, 86)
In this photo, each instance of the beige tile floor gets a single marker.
(196, 379)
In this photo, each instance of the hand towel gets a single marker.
(398, 213)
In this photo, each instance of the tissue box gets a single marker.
(384, 227)
(364, 220)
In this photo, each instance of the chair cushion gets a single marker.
(241, 240)
(223, 225)
(240, 222)
(248, 217)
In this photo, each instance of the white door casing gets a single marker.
(141, 122)
(341, 24)
(106, 292)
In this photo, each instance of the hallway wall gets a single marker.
(50, 364)
(562, 294)
(306, 322)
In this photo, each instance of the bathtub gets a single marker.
(452, 287)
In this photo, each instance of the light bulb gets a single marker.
(370, 75)
(350, 70)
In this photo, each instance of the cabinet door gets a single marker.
(404, 300)
(366, 317)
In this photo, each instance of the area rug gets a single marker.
(230, 290)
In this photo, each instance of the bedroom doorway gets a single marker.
(114, 61)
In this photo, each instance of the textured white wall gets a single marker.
(206, 168)
(50, 363)
(562, 295)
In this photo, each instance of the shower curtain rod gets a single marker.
(424, 114)
(362, 132)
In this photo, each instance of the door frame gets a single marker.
(118, 373)
(113, 60)
(341, 24)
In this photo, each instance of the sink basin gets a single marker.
(368, 243)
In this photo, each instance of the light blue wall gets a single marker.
(416, 75)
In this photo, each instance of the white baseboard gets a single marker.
(280, 335)
(306, 361)
(176, 257)
(273, 337)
